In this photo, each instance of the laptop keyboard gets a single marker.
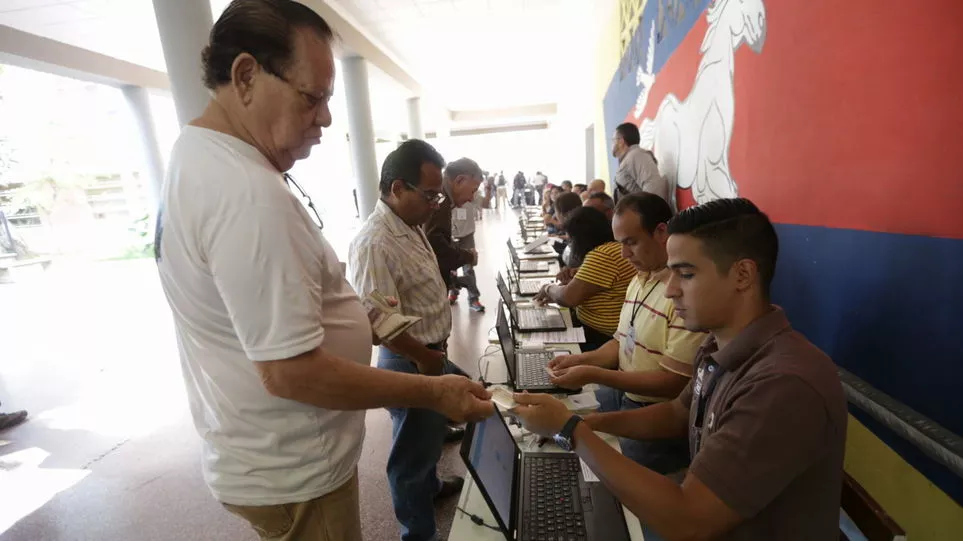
(551, 513)
(532, 369)
(531, 266)
(537, 319)
(530, 287)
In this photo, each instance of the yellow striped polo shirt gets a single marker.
(661, 340)
(605, 267)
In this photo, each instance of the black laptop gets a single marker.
(538, 496)
(530, 318)
(525, 287)
(528, 265)
(526, 367)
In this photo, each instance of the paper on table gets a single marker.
(582, 402)
(571, 335)
(588, 474)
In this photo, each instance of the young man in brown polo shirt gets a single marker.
(765, 413)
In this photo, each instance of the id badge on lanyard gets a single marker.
(628, 343)
(707, 378)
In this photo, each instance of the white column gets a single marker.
(139, 101)
(361, 138)
(415, 130)
(184, 27)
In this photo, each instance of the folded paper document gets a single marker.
(386, 320)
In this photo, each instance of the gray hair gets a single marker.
(463, 166)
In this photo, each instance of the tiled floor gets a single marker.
(109, 453)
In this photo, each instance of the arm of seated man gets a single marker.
(660, 383)
(687, 512)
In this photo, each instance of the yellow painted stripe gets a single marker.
(916, 504)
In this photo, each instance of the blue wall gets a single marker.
(888, 308)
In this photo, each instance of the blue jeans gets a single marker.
(663, 456)
(417, 439)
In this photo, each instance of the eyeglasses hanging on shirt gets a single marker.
(306, 199)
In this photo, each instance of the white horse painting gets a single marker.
(690, 138)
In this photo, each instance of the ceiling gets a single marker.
(469, 54)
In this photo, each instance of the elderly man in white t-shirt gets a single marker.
(275, 345)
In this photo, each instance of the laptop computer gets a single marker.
(526, 367)
(530, 318)
(538, 496)
(526, 266)
(539, 246)
(525, 287)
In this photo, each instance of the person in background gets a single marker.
(638, 170)
(564, 203)
(585, 195)
(602, 202)
(518, 195)
(765, 413)
(501, 191)
(566, 186)
(274, 344)
(451, 231)
(598, 289)
(539, 182)
(596, 186)
(580, 188)
(649, 360)
(391, 254)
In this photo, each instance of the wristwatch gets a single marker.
(566, 436)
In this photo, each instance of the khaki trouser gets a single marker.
(333, 517)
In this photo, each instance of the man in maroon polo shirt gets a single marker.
(765, 413)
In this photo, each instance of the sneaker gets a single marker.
(452, 297)
(450, 486)
(476, 306)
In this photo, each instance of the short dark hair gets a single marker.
(588, 229)
(567, 202)
(605, 198)
(629, 133)
(581, 186)
(732, 229)
(404, 163)
(463, 166)
(262, 28)
(652, 209)
(567, 183)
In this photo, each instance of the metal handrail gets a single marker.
(933, 440)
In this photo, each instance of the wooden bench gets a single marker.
(10, 265)
(872, 520)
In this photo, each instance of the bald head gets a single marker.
(597, 185)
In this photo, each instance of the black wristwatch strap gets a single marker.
(568, 431)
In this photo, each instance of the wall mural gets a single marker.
(690, 138)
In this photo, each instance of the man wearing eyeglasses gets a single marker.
(275, 346)
(391, 254)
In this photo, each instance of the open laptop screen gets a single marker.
(503, 290)
(505, 339)
(492, 456)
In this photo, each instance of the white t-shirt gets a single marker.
(250, 278)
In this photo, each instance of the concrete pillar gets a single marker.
(361, 137)
(415, 130)
(139, 101)
(184, 27)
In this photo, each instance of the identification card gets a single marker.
(461, 214)
(628, 343)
